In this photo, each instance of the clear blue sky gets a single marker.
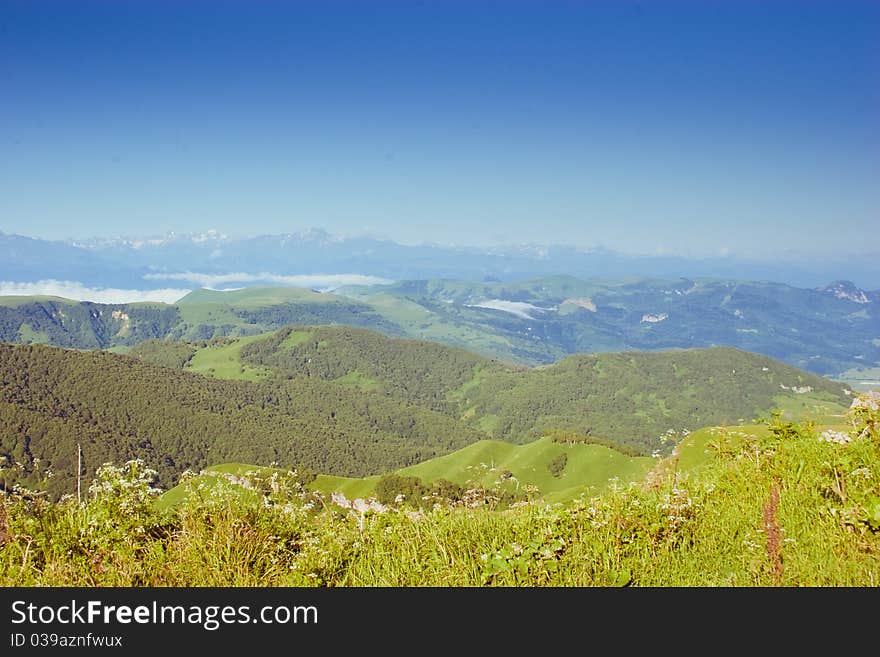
(650, 126)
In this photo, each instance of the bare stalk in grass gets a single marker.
(773, 532)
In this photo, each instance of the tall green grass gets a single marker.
(787, 505)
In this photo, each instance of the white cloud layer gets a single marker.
(323, 282)
(79, 292)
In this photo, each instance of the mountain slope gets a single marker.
(200, 315)
(827, 331)
(624, 399)
(633, 398)
(119, 408)
(83, 325)
(414, 370)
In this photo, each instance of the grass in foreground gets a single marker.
(789, 506)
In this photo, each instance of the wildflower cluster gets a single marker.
(853, 493)
(679, 508)
(359, 508)
(673, 436)
(127, 488)
(835, 437)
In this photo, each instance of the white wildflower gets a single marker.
(836, 437)
(339, 499)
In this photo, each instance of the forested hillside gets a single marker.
(84, 325)
(627, 400)
(415, 370)
(119, 408)
(632, 398)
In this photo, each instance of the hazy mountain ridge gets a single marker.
(128, 261)
(541, 320)
(827, 330)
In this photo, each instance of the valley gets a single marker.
(828, 331)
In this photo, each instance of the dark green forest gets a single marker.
(347, 312)
(413, 370)
(118, 407)
(166, 353)
(631, 398)
(625, 399)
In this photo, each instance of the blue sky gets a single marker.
(699, 128)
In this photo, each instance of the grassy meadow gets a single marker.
(779, 504)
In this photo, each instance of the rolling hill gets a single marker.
(588, 469)
(828, 330)
(627, 400)
(200, 315)
(418, 371)
(84, 325)
(351, 402)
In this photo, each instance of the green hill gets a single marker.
(210, 313)
(254, 297)
(352, 402)
(118, 408)
(83, 325)
(633, 398)
(828, 331)
(414, 370)
(628, 399)
(541, 320)
(221, 358)
(201, 315)
(588, 469)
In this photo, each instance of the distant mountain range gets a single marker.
(212, 259)
(827, 330)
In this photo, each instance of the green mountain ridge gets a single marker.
(827, 331)
(626, 399)
(588, 470)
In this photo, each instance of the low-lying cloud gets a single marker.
(518, 308)
(79, 292)
(322, 282)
